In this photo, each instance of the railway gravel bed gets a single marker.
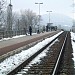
(47, 64)
(67, 67)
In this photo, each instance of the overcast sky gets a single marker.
(56, 6)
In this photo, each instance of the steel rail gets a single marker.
(59, 57)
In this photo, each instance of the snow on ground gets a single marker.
(73, 44)
(13, 61)
(37, 59)
(17, 36)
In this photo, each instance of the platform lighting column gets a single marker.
(39, 13)
(49, 15)
(9, 19)
(49, 24)
(73, 26)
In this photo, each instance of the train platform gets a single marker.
(12, 44)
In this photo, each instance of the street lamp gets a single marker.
(39, 13)
(49, 24)
(49, 15)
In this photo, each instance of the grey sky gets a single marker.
(56, 6)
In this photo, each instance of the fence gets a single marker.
(6, 34)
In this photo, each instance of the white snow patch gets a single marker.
(73, 44)
(17, 36)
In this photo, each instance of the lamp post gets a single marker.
(49, 24)
(9, 19)
(73, 16)
(39, 14)
(49, 15)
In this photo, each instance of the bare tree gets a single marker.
(2, 7)
(15, 21)
(28, 18)
(24, 20)
(35, 23)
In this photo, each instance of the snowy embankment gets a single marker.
(13, 61)
(73, 44)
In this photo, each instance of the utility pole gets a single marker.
(73, 27)
(49, 24)
(39, 14)
(18, 25)
(49, 15)
(9, 18)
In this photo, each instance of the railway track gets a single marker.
(67, 67)
(51, 63)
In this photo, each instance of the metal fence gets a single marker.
(6, 34)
